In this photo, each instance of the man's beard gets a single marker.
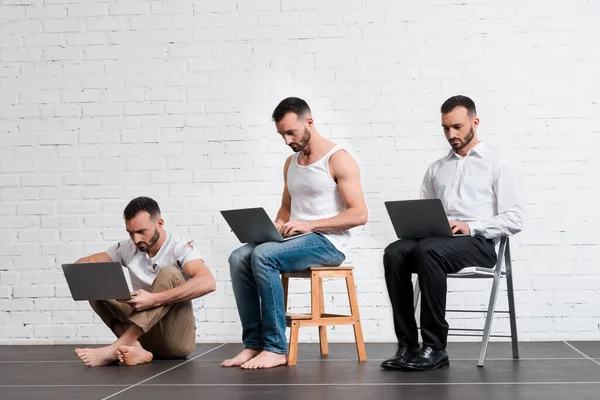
(458, 143)
(296, 147)
(143, 246)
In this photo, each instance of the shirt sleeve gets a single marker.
(117, 252)
(186, 251)
(427, 190)
(509, 219)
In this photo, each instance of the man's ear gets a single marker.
(310, 122)
(476, 122)
(160, 222)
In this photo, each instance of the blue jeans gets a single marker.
(257, 285)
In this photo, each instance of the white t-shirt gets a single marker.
(175, 251)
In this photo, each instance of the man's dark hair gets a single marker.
(290, 105)
(141, 204)
(459, 101)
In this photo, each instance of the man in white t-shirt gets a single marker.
(166, 272)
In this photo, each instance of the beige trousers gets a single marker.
(169, 330)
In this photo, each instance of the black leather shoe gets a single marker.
(404, 353)
(427, 359)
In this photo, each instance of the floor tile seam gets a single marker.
(582, 353)
(533, 383)
(316, 360)
(164, 372)
(452, 359)
(371, 384)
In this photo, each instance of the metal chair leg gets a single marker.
(491, 306)
(511, 302)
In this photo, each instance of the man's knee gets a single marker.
(238, 256)
(239, 259)
(262, 256)
(398, 252)
(96, 305)
(170, 276)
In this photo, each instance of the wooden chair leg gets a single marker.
(322, 328)
(358, 334)
(293, 349)
(285, 281)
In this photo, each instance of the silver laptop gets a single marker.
(419, 219)
(253, 225)
(97, 281)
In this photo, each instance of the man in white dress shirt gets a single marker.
(167, 272)
(479, 193)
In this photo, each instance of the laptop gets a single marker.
(419, 219)
(97, 281)
(253, 225)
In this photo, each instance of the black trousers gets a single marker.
(432, 259)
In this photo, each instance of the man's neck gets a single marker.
(315, 144)
(161, 239)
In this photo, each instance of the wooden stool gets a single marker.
(318, 317)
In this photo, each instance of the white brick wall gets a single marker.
(104, 100)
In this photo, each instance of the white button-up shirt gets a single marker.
(478, 189)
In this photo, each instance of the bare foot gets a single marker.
(266, 359)
(245, 355)
(98, 357)
(134, 355)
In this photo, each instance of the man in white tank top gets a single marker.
(323, 197)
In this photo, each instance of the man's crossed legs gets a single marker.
(167, 331)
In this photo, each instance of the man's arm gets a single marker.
(283, 215)
(201, 282)
(509, 219)
(98, 257)
(346, 172)
(427, 190)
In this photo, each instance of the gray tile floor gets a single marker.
(546, 370)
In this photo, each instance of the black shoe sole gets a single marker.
(442, 364)
(393, 367)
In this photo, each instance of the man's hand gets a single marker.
(278, 225)
(459, 227)
(296, 226)
(142, 301)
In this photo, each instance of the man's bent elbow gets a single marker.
(212, 285)
(362, 218)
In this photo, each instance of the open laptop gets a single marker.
(253, 225)
(97, 281)
(419, 219)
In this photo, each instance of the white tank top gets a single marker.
(315, 195)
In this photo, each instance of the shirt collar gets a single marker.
(480, 149)
(167, 237)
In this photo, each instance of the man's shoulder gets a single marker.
(126, 250)
(177, 243)
(126, 246)
(341, 155)
(499, 158)
(438, 163)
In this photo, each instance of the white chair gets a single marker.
(502, 269)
